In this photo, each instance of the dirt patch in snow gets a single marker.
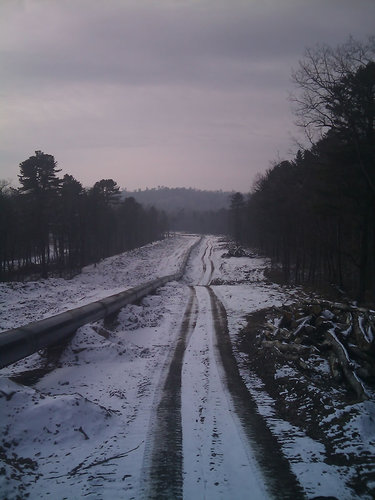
(298, 373)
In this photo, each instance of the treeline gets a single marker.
(315, 215)
(54, 225)
(188, 209)
(311, 216)
(200, 221)
(173, 200)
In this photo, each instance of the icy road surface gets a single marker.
(152, 404)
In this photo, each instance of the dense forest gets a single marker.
(315, 215)
(54, 225)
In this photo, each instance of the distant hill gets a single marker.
(173, 200)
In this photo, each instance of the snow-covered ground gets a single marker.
(80, 421)
(217, 461)
(21, 303)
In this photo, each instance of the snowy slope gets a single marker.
(80, 420)
(21, 303)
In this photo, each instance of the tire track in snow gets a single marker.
(281, 481)
(204, 265)
(206, 439)
(207, 265)
(217, 461)
(163, 464)
(212, 268)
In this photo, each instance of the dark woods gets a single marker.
(315, 215)
(312, 215)
(53, 225)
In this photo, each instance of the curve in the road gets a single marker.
(208, 266)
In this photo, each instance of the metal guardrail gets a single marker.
(20, 342)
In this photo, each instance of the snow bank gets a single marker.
(22, 303)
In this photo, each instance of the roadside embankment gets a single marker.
(20, 342)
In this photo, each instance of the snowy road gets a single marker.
(202, 440)
(197, 447)
(151, 404)
(213, 434)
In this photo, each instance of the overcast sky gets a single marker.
(159, 92)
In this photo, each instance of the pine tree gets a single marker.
(237, 208)
(40, 185)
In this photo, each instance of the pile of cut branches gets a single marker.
(235, 250)
(343, 334)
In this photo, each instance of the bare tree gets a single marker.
(317, 78)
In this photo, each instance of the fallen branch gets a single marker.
(344, 361)
(362, 341)
(83, 432)
(99, 462)
(288, 348)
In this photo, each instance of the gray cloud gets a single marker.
(183, 90)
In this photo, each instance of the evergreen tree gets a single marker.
(237, 213)
(72, 222)
(40, 185)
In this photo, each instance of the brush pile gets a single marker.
(342, 334)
